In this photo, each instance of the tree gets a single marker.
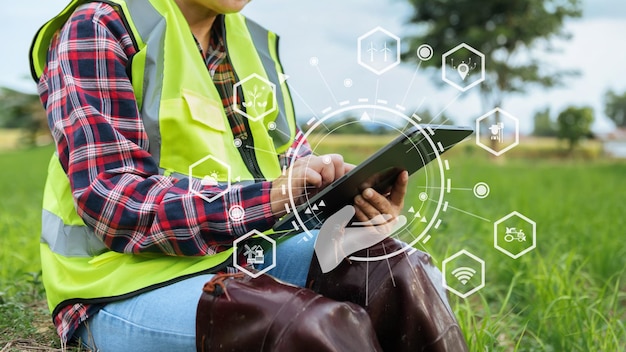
(544, 126)
(509, 33)
(574, 125)
(22, 111)
(615, 107)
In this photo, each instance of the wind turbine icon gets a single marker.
(372, 50)
(386, 50)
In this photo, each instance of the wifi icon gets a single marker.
(463, 270)
(463, 274)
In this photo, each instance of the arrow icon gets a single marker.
(282, 77)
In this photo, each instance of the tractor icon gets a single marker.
(513, 233)
(508, 229)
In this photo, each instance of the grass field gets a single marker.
(9, 139)
(23, 313)
(568, 294)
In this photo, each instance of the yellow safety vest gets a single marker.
(189, 136)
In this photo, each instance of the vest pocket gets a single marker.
(193, 127)
(204, 110)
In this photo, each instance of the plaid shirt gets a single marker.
(103, 147)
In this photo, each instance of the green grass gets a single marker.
(568, 294)
(23, 313)
(22, 175)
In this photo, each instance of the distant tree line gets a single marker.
(615, 107)
(349, 123)
(573, 124)
(19, 110)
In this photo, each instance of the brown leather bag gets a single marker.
(239, 313)
(403, 296)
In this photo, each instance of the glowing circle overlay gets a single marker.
(425, 52)
(481, 190)
(434, 149)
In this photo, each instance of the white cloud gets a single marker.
(328, 29)
(19, 21)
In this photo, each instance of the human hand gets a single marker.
(337, 240)
(308, 176)
(371, 204)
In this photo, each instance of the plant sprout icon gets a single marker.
(463, 68)
(255, 95)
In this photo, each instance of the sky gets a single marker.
(326, 31)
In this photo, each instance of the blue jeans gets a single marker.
(164, 319)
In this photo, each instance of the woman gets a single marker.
(156, 110)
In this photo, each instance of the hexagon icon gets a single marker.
(378, 50)
(467, 273)
(219, 170)
(515, 235)
(261, 97)
(497, 131)
(254, 252)
(463, 67)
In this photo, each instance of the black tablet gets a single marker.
(410, 151)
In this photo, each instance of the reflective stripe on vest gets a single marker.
(183, 115)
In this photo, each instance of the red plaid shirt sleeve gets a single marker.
(102, 146)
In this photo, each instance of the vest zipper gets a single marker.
(246, 150)
(249, 155)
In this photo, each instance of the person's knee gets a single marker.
(269, 315)
(330, 326)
